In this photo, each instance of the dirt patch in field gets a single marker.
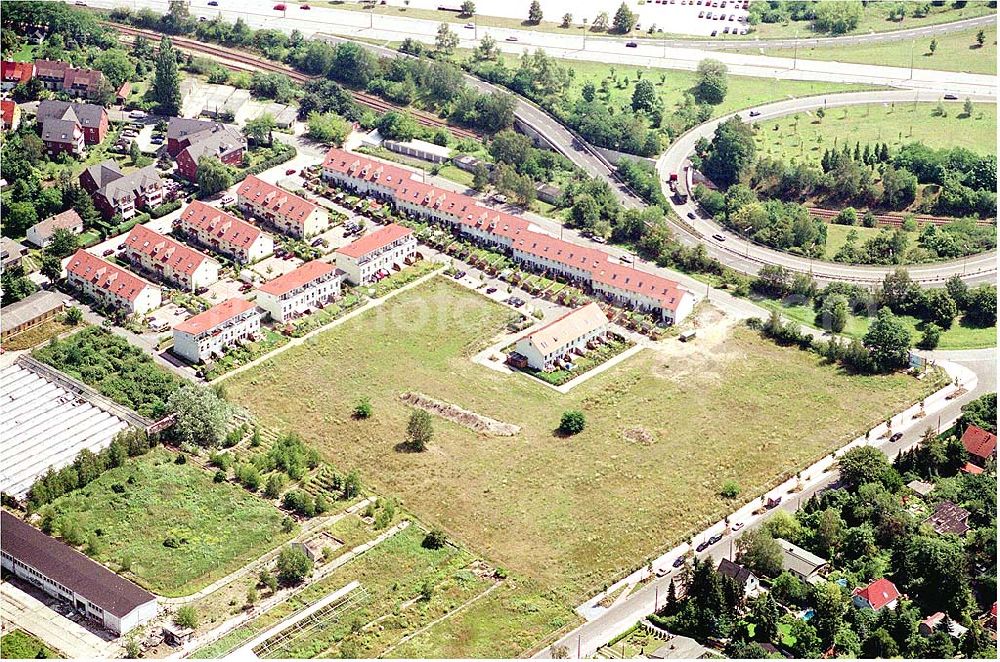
(638, 436)
(704, 356)
(455, 414)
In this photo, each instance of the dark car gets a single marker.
(316, 242)
(108, 252)
(754, 113)
(691, 215)
(631, 44)
(679, 561)
(702, 546)
(714, 539)
(459, 275)
(896, 437)
(951, 97)
(491, 290)
(213, 3)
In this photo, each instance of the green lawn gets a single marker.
(19, 645)
(957, 337)
(24, 54)
(876, 19)
(567, 514)
(956, 51)
(804, 136)
(220, 526)
(836, 237)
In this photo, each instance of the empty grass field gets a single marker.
(803, 137)
(836, 237)
(19, 645)
(568, 514)
(136, 508)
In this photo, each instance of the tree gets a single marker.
(535, 12)
(354, 64)
(480, 176)
(259, 130)
(941, 308)
(933, 46)
(201, 417)
(363, 409)
(435, 539)
(293, 565)
(981, 306)
(252, 596)
(398, 125)
(981, 38)
(967, 107)
(487, 49)
(133, 152)
(186, 617)
(601, 22)
(887, 342)
(834, 313)
(930, 337)
(73, 316)
(329, 128)
(51, 267)
(862, 465)
(589, 91)
(166, 82)
(731, 152)
(807, 643)
(446, 40)
(644, 97)
(468, 8)
(419, 430)
(759, 552)
(63, 243)
(18, 217)
(213, 176)
(837, 16)
(730, 490)
(116, 66)
(572, 422)
(713, 82)
(764, 612)
(567, 20)
(624, 20)
(275, 483)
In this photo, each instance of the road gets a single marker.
(586, 639)
(748, 257)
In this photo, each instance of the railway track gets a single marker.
(240, 61)
(895, 220)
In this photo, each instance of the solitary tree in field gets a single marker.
(933, 46)
(535, 12)
(468, 8)
(967, 107)
(293, 565)
(419, 430)
(568, 20)
(572, 422)
(981, 38)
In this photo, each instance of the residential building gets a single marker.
(62, 76)
(224, 233)
(91, 118)
(880, 594)
(15, 73)
(920, 488)
(470, 163)
(939, 621)
(741, 575)
(980, 444)
(40, 234)
(949, 518)
(374, 256)
(313, 284)
(170, 260)
(558, 342)
(549, 193)
(123, 92)
(61, 136)
(219, 141)
(29, 312)
(286, 211)
(62, 572)
(110, 284)
(526, 243)
(117, 193)
(800, 563)
(10, 115)
(210, 333)
(180, 128)
(11, 252)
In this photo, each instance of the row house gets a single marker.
(92, 119)
(11, 115)
(560, 339)
(286, 211)
(221, 142)
(210, 333)
(114, 192)
(13, 74)
(111, 285)
(40, 234)
(312, 285)
(60, 76)
(376, 255)
(170, 260)
(224, 233)
(623, 285)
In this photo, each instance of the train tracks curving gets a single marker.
(241, 61)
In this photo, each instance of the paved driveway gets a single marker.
(30, 614)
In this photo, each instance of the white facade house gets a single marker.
(289, 213)
(225, 234)
(40, 234)
(560, 339)
(170, 260)
(313, 284)
(210, 333)
(91, 589)
(376, 255)
(111, 285)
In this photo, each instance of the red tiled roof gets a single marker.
(308, 272)
(19, 72)
(83, 78)
(278, 201)
(214, 316)
(970, 468)
(879, 593)
(376, 240)
(106, 276)
(7, 108)
(51, 68)
(361, 167)
(979, 442)
(226, 228)
(164, 250)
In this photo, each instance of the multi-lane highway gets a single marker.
(748, 257)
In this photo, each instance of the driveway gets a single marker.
(24, 611)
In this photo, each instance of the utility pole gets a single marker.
(912, 44)
(795, 61)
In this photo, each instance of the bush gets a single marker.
(363, 409)
(435, 539)
(293, 565)
(165, 208)
(572, 423)
(730, 490)
(186, 617)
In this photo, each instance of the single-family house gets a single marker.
(315, 283)
(10, 115)
(224, 233)
(920, 488)
(91, 118)
(949, 518)
(169, 260)
(939, 621)
(15, 73)
(374, 256)
(741, 575)
(800, 563)
(11, 252)
(40, 234)
(211, 332)
(114, 192)
(561, 340)
(980, 444)
(878, 595)
(285, 211)
(111, 285)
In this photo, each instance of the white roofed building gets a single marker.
(560, 339)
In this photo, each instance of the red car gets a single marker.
(279, 8)
(290, 171)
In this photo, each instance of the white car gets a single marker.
(228, 199)
(137, 114)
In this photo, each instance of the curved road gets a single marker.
(748, 257)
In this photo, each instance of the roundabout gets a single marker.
(748, 257)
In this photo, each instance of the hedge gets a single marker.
(278, 159)
(165, 208)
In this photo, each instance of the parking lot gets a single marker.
(46, 618)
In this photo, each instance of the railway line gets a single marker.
(896, 220)
(241, 61)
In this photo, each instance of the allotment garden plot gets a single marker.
(663, 432)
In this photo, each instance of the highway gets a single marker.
(748, 257)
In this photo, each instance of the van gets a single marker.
(157, 325)
(687, 336)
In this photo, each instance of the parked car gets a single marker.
(137, 114)
(678, 562)
(736, 527)
(318, 241)
(109, 252)
(754, 113)
(304, 7)
(701, 14)
(631, 44)
(470, 26)
(279, 7)
(597, 239)
(491, 290)
(662, 572)
(213, 3)
(718, 237)
(715, 32)
(702, 546)
(951, 97)
(691, 215)
(290, 171)
(228, 199)
(459, 275)
(512, 38)
(896, 437)
(714, 539)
